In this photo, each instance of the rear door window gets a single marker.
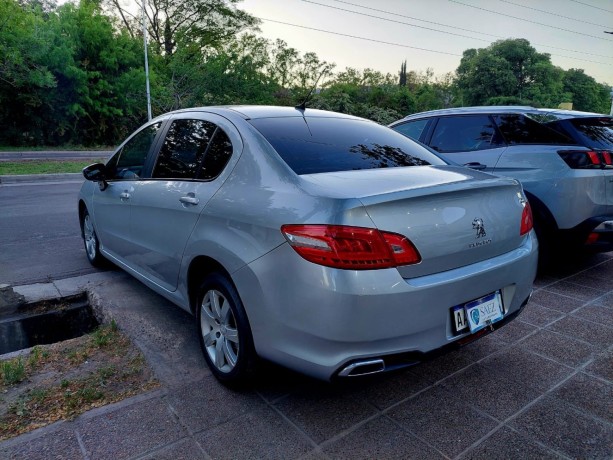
(181, 154)
(217, 156)
(193, 149)
(465, 134)
(412, 129)
(313, 145)
(519, 129)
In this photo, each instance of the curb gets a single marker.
(40, 178)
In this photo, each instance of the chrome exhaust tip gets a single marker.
(360, 368)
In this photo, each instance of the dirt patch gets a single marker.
(62, 380)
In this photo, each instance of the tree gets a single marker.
(585, 93)
(403, 74)
(508, 68)
(206, 23)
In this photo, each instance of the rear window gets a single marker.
(519, 129)
(595, 132)
(319, 145)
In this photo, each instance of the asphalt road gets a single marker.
(39, 233)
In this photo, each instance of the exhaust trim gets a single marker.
(360, 368)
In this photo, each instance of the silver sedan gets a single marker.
(320, 241)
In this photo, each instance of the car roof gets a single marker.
(558, 113)
(250, 112)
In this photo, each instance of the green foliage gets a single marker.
(513, 72)
(13, 371)
(585, 93)
(74, 74)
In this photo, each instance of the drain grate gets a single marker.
(46, 322)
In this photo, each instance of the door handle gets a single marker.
(124, 195)
(190, 198)
(475, 165)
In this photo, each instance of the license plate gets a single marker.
(479, 313)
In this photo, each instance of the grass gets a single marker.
(43, 166)
(63, 148)
(60, 381)
(13, 371)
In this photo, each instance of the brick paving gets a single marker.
(541, 387)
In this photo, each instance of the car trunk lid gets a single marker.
(454, 216)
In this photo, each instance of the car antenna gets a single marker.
(302, 106)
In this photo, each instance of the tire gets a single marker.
(224, 332)
(90, 240)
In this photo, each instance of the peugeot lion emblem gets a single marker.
(479, 226)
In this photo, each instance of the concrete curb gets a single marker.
(16, 179)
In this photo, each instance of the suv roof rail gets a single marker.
(475, 109)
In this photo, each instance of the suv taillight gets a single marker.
(353, 248)
(586, 159)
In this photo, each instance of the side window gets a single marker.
(519, 129)
(129, 161)
(464, 134)
(183, 149)
(217, 156)
(412, 129)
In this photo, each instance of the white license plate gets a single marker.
(479, 313)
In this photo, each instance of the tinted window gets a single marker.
(518, 129)
(464, 134)
(412, 129)
(129, 161)
(596, 132)
(183, 149)
(317, 145)
(217, 155)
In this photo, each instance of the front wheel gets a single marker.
(90, 240)
(225, 335)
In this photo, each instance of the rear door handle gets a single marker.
(475, 165)
(189, 199)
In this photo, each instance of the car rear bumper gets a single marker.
(594, 234)
(318, 320)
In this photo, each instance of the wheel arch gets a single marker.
(541, 213)
(199, 268)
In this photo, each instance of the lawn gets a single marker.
(42, 166)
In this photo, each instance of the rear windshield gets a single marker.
(595, 132)
(319, 145)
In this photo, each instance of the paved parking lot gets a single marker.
(541, 387)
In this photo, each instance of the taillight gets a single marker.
(586, 159)
(354, 248)
(526, 220)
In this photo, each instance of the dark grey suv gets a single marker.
(563, 159)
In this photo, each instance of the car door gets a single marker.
(469, 140)
(167, 205)
(111, 205)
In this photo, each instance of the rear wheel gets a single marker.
(90, 240)
(225, 336)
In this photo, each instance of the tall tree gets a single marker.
(207, 23)
(508, 68)
(403, 74)
(585, 93)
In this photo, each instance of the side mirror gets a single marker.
(96, 173)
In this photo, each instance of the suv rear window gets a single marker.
(319, 145)
(519, 129)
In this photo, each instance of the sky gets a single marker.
(434, 33)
